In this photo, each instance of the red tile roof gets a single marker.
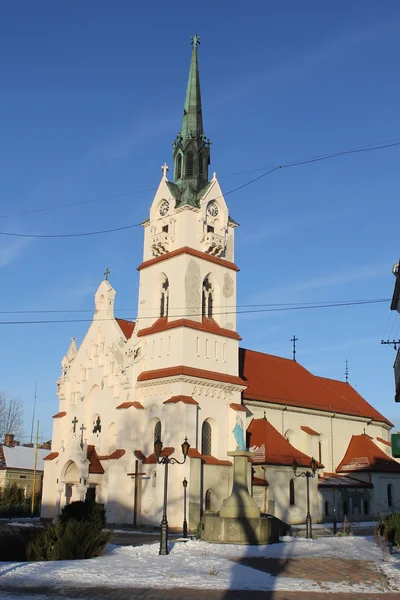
(127, 327)
(207, 325)
(236, 406)
(114, 455)
(308, 430)
(152, 460)
(184, 399)
(363, 454)
(382, 441)
(259, 481)
(192, 252)
(190, 372)
(208, 459)
(332, 480)
(94, 461)
(285, 382)
(129, 404)
(51, 456)
(273, 448)
(59, 415)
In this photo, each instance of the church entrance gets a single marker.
(91, 494)
(71, 481)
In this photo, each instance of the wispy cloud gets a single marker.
(12, 249)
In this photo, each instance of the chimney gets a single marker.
(46, 446)
(9, 439)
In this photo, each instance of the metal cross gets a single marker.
(195, 40)
(347, 371)
(82, 428)
(294, 340)
(164, 169)
(106, 273)
(74, 422)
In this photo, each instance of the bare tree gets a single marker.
(11, 416)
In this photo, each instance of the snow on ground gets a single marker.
(197, 564)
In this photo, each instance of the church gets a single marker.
(180, 372)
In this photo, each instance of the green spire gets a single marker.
(192, 121)
(191, 147)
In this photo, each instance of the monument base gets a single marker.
(225, 530)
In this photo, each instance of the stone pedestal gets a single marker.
(240, 504)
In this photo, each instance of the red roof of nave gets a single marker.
(207, 325)
(283, 381)
(363, 454)
(272, 447)
(127, 327)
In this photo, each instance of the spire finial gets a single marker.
(106, 273)
(195, 40)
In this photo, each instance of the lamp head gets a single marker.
(185, 448)
(184, 483)
(294, 466)
(158, 446)
(313, 465)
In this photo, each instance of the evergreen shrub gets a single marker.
(389, 527)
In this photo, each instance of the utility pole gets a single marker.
(33, 415)
(393, 343)
(34, 470)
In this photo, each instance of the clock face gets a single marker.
(212, 209)
(164, 208)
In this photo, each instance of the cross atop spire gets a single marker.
(195, 40)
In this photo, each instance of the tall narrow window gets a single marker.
(201, 165)
(389, 495)
(179, 166)
(164, 296)
(189, 164)
(326, 508)
(207, 503)
(291, 493)
(320, 452)
(157, 431)
(206, 439)
(207, 299)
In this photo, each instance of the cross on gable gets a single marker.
(164, 169)
(106, 273)
(74, 423)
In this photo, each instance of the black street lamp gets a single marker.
(166, 460)
(307, 475)
(184, 483)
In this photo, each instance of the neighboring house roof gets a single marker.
(127, 327)
(21, 457)
(332, 480)
(363, 454)
(282, 381)
(272, 448)
(258, 481)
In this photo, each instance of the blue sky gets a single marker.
(91, 99)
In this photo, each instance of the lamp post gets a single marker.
(307, 475)
(184, 483)
(166, 460)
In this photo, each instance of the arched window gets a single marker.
(206, 439)
(320, 452)
(326, 508)
(189, 164)
(389, 495)
(291, 493)
(179, 166)
(157, 431)
(207, 299)
(164, 296)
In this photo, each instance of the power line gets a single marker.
(273, 304)
(292, 164)
(237, 312)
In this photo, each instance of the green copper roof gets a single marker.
(192, 121)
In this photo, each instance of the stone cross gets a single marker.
(164, 169)
(82, 428)
(74, 422)
(106, 273)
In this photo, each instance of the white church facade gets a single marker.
(178, 372)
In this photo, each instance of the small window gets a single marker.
(320, 452)
(22, 476)
(366, 507)
(165, 228)
(210, 229)
(207, 504)
(345, 508)
(157, 431)
(291, 493)
(206, 439)
(189, 164)
(326, 508)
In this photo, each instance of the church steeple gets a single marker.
(191, 147)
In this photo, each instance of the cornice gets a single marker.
(192, 252)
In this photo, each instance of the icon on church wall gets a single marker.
(97, 426)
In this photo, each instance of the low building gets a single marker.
(17, 464)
